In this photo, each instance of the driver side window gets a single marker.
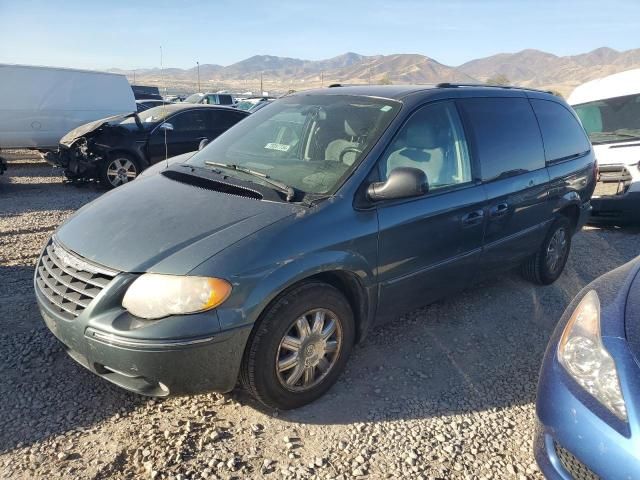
(432, 140)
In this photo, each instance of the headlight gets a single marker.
(155, 296)
(582, 354)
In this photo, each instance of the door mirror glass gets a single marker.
(166, 126)
(203, 143)
(402, 182)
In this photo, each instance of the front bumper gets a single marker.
(624, 208)
(617, 195)
(77, 162)
(576, 436)
(181, 354)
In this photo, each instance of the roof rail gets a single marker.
(508, 87)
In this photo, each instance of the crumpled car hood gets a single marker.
(78, 132)
(160, 225)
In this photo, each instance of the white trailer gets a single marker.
(39, 105)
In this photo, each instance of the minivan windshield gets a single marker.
(308, 142)
(611, 120)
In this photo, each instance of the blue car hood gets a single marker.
(160, 225)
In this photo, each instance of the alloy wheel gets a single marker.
(556, 250)
(309, 350)
(120, 171)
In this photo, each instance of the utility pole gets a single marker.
(198, 64)
(261, 86)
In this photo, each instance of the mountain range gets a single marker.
(528, 68)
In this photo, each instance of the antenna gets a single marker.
(166, 148)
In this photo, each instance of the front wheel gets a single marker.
(300, 347)
(548, 263)
(118, 169)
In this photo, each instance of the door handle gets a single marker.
(473, 218)
(499, 210)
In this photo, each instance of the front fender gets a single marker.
(255, 290)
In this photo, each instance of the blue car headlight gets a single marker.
(584, 357)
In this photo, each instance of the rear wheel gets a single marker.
(118, 169)
(548, 263)
(300, 347)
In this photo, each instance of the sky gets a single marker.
(129, 34)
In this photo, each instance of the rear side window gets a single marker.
(562, 134)
(189, 121)
(222, 120)
(506, 135)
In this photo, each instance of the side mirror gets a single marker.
(403, 182)
(166, 126)
(203, 143)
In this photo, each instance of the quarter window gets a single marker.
(562, 135)
(506, 136)
(432, 141)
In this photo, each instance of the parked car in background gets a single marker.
(211, 98)
(142, 105)
(42, 104)
(589, 389)
(609, 109)
(253, 104)
(144, 92)
(265, 256)
(115, 150)
(175, 98)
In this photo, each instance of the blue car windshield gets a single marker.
(308, 142)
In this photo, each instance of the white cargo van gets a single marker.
(39, 105)
(609, 109)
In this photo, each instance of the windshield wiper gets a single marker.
(280, 186)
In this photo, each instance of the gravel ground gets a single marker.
(445, 392)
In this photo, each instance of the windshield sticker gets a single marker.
(385, 108)
(278, 146)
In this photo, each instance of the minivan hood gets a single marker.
(623, 153)
(78, 132)
(160, 225)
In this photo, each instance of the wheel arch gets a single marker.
(569, 206)
(142, 162)
(347, 272)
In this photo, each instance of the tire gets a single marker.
(118, 169)
(547, 264)
(307, 373)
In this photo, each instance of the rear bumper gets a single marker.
(155, 367)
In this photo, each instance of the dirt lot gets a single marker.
(445, 392)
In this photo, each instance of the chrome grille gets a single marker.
(577, 469)
(68, 282)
